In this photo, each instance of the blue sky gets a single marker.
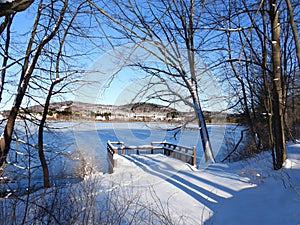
(22, 24)
(121, 89)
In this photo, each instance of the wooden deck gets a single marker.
(183, 153)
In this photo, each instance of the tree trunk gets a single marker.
(206, 144)
(190, 45)
(267, 90)
(277, 100)
(294, 29)
(41, 139)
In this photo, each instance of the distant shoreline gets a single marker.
(133, 121)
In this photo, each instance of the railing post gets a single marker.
(194, 156)
(152, 146)
(186, 151)
(110, 156)
(123, 148)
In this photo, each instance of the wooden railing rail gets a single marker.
(183, 153)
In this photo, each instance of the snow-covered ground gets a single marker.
(155, 189)
(247, 192)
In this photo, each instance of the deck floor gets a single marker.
(198, 191)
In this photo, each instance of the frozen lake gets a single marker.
(91, 138)
(75, 145)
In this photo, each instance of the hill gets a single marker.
(135, 111)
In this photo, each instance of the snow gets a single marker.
(288, 164)
(248, 192)
(6, 1)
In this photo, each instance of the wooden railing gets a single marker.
(185, 154)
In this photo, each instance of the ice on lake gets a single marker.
(78, 144)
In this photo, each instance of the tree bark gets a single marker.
(277, 100)
(267, 90)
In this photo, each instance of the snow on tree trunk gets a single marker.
(206, 144)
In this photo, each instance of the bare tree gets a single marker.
(55, 81)
(172, 28)
(260, 60)
(32, 55)
(49, 69)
